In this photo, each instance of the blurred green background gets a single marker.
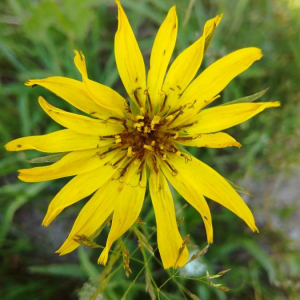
(37, 39)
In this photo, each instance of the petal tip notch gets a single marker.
(103, 257)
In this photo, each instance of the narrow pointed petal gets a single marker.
(199, 176)
(128, 206)
(101, 94)
(188, 186)
(186, 65)
(64, 140)
(74, 92)
(214, 140)
(80, 124)
(223, 117)
(78, 188)
(161, 54)
(92, 216)
(216, 77)
(129, 60)
(168, 237)
(71, 164)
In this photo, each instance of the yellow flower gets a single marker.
(111, 151)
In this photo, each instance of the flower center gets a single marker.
(145, 137)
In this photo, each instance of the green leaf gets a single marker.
(13, 206)
(261, 257)
(238, 188)
(47, 159)
(99, 230)
(86, 264)
(68, 270)
(247, 99)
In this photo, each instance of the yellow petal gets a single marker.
(160, 56)
(216, 77)
(64, 140)
(78, 188)
(186, 65)
(188, 186)
(92, 216)
(101, 94)
(129, 201)
(71, 164)
(223, 117)
(214, 140)
(168, 236)
(74, 92)
(209, 30)
(198, 176)
(129, 60)
(81, 124)
(79, 61)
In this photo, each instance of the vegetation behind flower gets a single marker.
(26, 53)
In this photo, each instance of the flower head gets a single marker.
(110, 151)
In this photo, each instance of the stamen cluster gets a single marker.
(149, 137)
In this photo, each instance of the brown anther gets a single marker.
(186, 157)
(148, 99)
(164, 103)
(192, 105)
(180, 108)
(141, 171)
(125, 124)
(127, 105)
(153, 158)
(115, 119)
(136, 97)
(184, 138)
(123, 170)
(106, 137)
(174, 171)
(103, 154)
(184, 126)
(114, 165)
(177, 115)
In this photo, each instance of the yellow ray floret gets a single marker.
(78, 123)
(74, 92)
(160, 55)
(168, 237)
(187, 186)
(186, 65)
(78, 188)
(71, 164)
(129, 203)
(223, 117)
(215, 140)
(215, 78)
(205, 180)
(60, 141)
(92, 216)
(101, 94)
(129, 60)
